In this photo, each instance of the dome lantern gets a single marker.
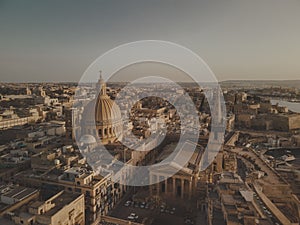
(101, 85)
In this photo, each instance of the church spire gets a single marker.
(101, 84)
(100, 77)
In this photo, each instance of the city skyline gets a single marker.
(70, 158)
(143, 112)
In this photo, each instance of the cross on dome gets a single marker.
(100, 72)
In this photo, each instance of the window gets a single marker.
(71, 214)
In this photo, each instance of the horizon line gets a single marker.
(229, 80)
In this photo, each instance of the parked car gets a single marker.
(172, 211)
(142, 205)
(132, 216)
(188, 221)
(128, 203)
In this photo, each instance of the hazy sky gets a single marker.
(57, 40)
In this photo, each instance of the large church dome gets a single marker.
(105, 114)
(106, 111)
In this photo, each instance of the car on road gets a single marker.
(172, 211)
(127, 203)
(133, 216)
(142, 205)
(162, 208)
(188, 221)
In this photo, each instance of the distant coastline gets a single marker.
(292, 106)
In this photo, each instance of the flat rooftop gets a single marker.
(61, 201)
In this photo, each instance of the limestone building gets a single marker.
(61, 208)
(182, 184)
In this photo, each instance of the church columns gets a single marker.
(151, 186)
(111, 132)
(190, 189)
(166, 185)
(106, 132)
(157, 184)
(174, 186)
(182, 188)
